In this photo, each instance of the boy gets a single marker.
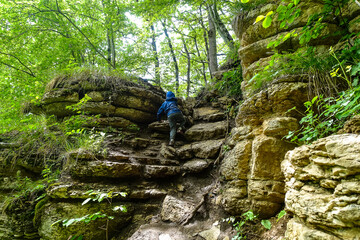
(174, 115)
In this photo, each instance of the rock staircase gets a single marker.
(163, 184)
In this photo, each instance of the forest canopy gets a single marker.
(168, 43)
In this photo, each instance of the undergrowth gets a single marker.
(325, 115)
(230, 84)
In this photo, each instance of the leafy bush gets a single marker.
(325, 116)
(230, 84)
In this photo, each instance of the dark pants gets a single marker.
(175, 118)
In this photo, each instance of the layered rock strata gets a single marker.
(254, 53)
(119, 102)
(251, 167)
(158, 185)
(322, 183)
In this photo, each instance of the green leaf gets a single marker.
(296, 2)
(68, 222)
(102, 196)
(267, 22)
(244, 1)
(266, 224)
(56, 222)
(123, 194)
(259, 18)
(86, 201)
(270, 13)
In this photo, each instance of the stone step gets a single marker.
(140, 159)
(208, 114)
(153, 161)
(111, 169)
(140, 143)
(207, 131)
(76, 190)
(208, 149)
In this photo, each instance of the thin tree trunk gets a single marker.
(202, 62)
(174, 59)
(220, 27)
(113, 52)
(205, 39)
(156, 57)
(108, 44)
(188, 68)
(109, 37)
(213, 65)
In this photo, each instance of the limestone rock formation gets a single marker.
(119, 102)
(254, 53)
(258, 149)
(176, 210)
(251, 167)
(157, 184)
(322, 183)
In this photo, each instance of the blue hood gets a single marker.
(170, 96)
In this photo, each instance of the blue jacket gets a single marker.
(169, 106)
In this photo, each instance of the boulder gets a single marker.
(117, 122)
(176, 210)
(234, 197)
(204, 149)
(210, 234)
(195, 166)
(275, 100)
(270, 190)
(158, 232)
(322, 188)
(167, 152)
(207, 149)
(110, 97)
(236, 164)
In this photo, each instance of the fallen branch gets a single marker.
(187, 218)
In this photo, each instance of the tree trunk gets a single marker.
(202, 62)
(220, 27)
(108, 44)
(188, 68)
(109, 37)
(156, 57)
(205, 40)
(213, 65)
(113, 52)
(174, 59)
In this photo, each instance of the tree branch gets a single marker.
(83, 34)
(29, 73)
(10, 55)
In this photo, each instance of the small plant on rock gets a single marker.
(238, 225)
(95, 196)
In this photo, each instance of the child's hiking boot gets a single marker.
(180, 131)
